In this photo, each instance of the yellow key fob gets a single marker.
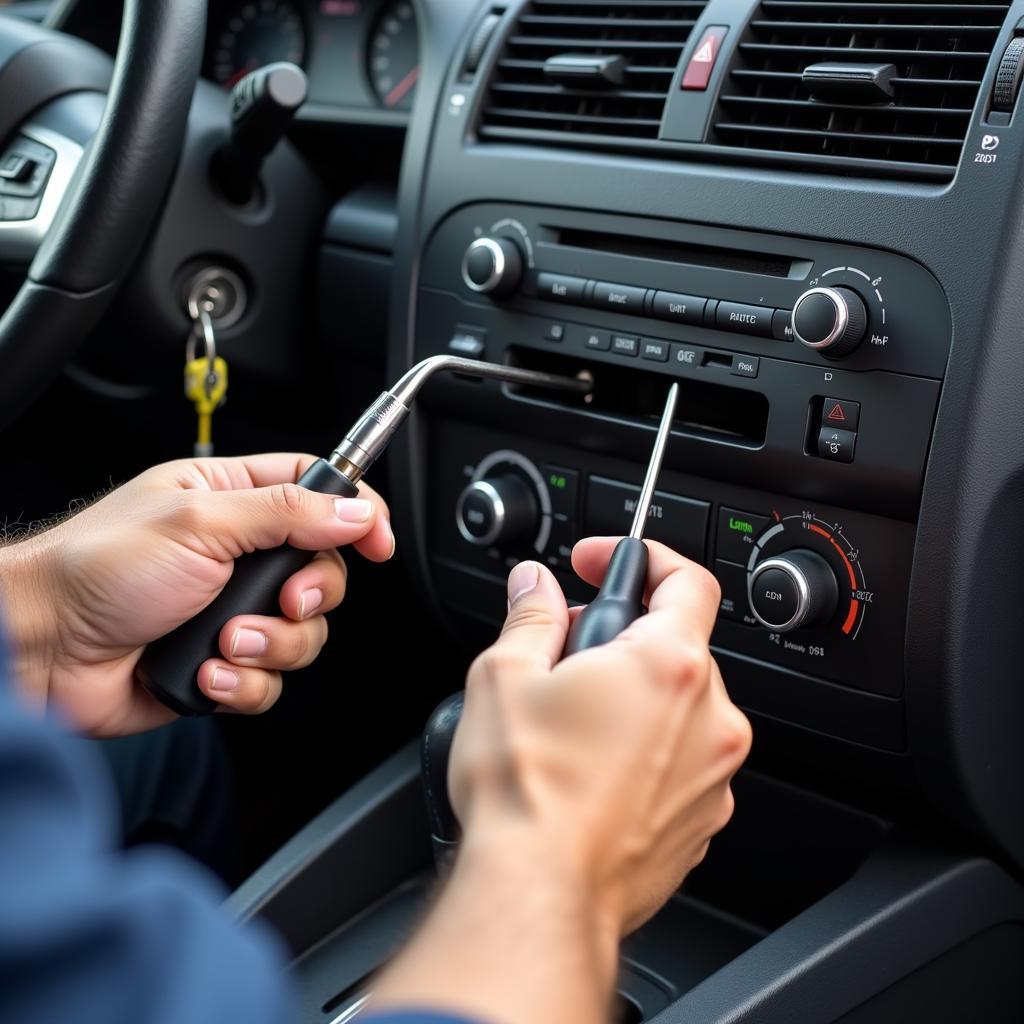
(206, 388)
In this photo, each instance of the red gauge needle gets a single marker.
(249, 65)
(394, 97)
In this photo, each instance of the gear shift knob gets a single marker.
(435, 753)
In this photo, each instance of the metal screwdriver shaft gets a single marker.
(620, 600)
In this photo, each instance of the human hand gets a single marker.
(85, 597)
(619, 757)
(586, 788)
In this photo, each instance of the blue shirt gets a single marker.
(90, 933)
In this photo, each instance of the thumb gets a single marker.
(538, 619)
(267, 517)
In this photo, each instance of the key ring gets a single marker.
(202, 329)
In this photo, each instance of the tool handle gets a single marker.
(619, 603)
(169, 665)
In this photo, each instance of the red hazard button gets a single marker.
(702, 63)
(839, 412)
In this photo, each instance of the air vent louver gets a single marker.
(648, 34)
(939, 50)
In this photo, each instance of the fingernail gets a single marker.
(394, 542)
(248, 643)
(224, 679)
(352, 510)
(522, 580)
(309, 601)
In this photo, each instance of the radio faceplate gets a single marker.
(781, 456)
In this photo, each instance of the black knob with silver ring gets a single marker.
(492, 266)
(793, 590)
(497, 510)
(832, 321)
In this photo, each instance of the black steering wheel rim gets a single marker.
(112, 202)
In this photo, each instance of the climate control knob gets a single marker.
(833, 321)
(492, 266)
(498, 510)
(792, 590)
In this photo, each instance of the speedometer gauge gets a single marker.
(393, 57)
(255, 33)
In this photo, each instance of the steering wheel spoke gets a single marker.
(36, 169)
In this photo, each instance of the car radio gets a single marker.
(809, 374)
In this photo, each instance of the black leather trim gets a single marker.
(37, 66)
(435, 752)
(125, 174)
(116, 192)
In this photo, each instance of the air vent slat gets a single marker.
(860, 108)
(648, 34)
(939, 53)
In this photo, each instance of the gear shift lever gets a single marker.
(435, 753)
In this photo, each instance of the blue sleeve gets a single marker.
(414, 1017)
(88, 933)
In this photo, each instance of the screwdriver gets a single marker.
(620, 599)
(169, 665)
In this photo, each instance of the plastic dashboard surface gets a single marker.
(361, 56)
(960, 650)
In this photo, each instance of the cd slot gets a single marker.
(685, 253)
(706, 409)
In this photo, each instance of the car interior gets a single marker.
(805, 213)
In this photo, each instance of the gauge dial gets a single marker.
(255, 33)
(393, 55)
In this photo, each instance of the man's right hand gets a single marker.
(621, 756)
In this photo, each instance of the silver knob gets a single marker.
(492, 266)
(792, 590)
(832, 321)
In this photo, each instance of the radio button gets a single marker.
(737, 532)
(560, 287)
(624, 345)
(836, 445)
(679, 522)
(564, 488)
(745, 366)
(622, 298)
(656, 351)
(782, 325)
(679, 308)
(734, 316)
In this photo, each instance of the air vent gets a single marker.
(625, 55)
(931, 57)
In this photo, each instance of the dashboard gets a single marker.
(358, 54)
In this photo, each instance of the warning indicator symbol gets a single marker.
(836, 414)
(706, 54)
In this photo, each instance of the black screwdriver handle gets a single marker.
(169, 665)
(619, 603)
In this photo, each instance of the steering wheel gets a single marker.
(101, 203)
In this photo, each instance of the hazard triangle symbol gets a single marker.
(706, 54)
(836, 414)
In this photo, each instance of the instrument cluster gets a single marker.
(357, 53)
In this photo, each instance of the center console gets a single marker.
(810, 376)
(807, 216)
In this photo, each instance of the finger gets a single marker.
(315, 589)
(534, 632)
(228, 523)
(248, 691)
(686, 590)
(257, 641)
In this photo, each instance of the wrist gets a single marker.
(28, 606)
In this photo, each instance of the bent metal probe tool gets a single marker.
(169, 665)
